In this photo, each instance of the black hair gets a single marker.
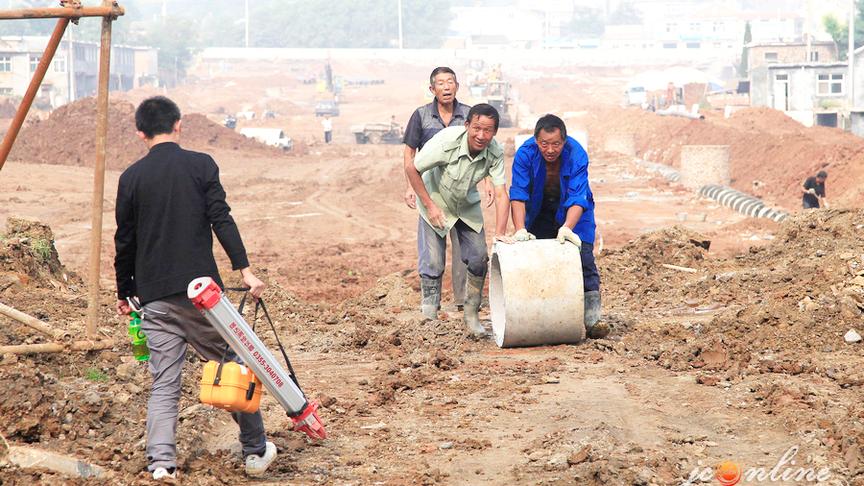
(822, 174)
(483, 109)
(156, 116)
(440, 70)
(548, 123)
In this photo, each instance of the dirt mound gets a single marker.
(199, 133)
(7, 108)
(765, 146)
(67, 137)
(765, 120)
(804, 289)
(780, 309)
(28, 257)
(646, 254)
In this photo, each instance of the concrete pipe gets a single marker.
(667, 172)
(726, 197)
(741, 201)
(536, 294)
(754, 208)
(750, 207)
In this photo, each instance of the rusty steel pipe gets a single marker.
(61, 12)
(99, 176)
(32, 90)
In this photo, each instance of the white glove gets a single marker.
(811, 191)
(566, 234)
(523, 235)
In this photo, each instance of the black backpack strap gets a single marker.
(260, 303)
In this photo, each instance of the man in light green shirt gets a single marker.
(444, 176)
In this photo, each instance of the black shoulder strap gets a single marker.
(260, 303)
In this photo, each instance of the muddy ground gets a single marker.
(740, 360)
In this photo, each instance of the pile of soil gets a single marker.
(765, 146)
(769, 321)
(28, 257)
(778, 310)
(92, 406)
(7, 108)
(68, 136)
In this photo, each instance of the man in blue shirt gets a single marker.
(551, 198)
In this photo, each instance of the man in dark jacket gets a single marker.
(550, 198)
(813, 191)
(169, 204)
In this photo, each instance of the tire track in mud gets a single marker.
(381, 232)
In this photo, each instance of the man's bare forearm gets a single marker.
(502, 210)
(408, 159)
(517, 208)
(573, 215)
(416, 183)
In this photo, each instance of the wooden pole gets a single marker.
(56, 347)
(34, 323)
(27, 457)
(680, 269)
(99, 176)
(65, 13)
(32, 90)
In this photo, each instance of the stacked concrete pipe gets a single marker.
(536, 294)
(666, 171)
(741, 202)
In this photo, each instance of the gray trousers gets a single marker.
(170, 324)
(431, 250)
(458, 269)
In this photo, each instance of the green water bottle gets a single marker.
(139, 341)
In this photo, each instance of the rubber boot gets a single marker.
(595, 329)
(473, 296)
(431, 290)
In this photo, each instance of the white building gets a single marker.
(74, 70)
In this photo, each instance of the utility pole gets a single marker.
(70, 65)
(851, 54)
(399, 8)
(247, 23)
(809, 32)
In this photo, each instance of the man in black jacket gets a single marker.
(169, 204)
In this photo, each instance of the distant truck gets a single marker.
(327, 107)
(635, 95)
(376, 133)
(498, 94)
(274, 137)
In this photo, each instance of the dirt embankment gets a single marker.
(772, 320)
(28, 257)
(67, 137)
(765, 146)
